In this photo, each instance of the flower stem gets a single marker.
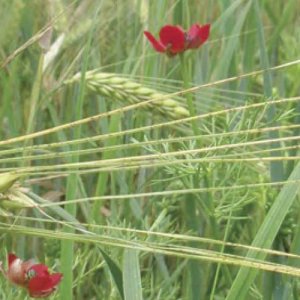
(188, 96)
(208, 203)
(190, 206)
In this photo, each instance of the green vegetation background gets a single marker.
(165, 214)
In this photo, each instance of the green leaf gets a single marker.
(115, 272)
(266, 235)
(276, 167)
(132, 276)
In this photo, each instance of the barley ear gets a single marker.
(125, 90)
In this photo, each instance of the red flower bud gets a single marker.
(34, 277)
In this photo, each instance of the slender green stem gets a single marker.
(103, 177)
(213, 290)
(31, 123)
(67, 247)
(192, 109)
(190, 208)
(276, 167)
(192, 219)
(35, 94)
(189, 97)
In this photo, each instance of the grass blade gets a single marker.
(115, 272)
(276, 167)
(266, 235)
(131, 275)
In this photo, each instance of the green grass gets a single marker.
(143, 184)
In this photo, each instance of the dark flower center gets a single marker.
(30, 274)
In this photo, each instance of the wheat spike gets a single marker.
(7, 180)
(125, 90)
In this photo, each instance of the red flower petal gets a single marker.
(39, 283)
(11, 258)
(40, 287)
(42, 284)
(16, 271)
(157, 45)
(39, 269)
(173, 38)
(197, 35)
(204, 32)
(56, 278)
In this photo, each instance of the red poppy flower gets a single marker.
(171, 40)
(34, 277)
(174, 40)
